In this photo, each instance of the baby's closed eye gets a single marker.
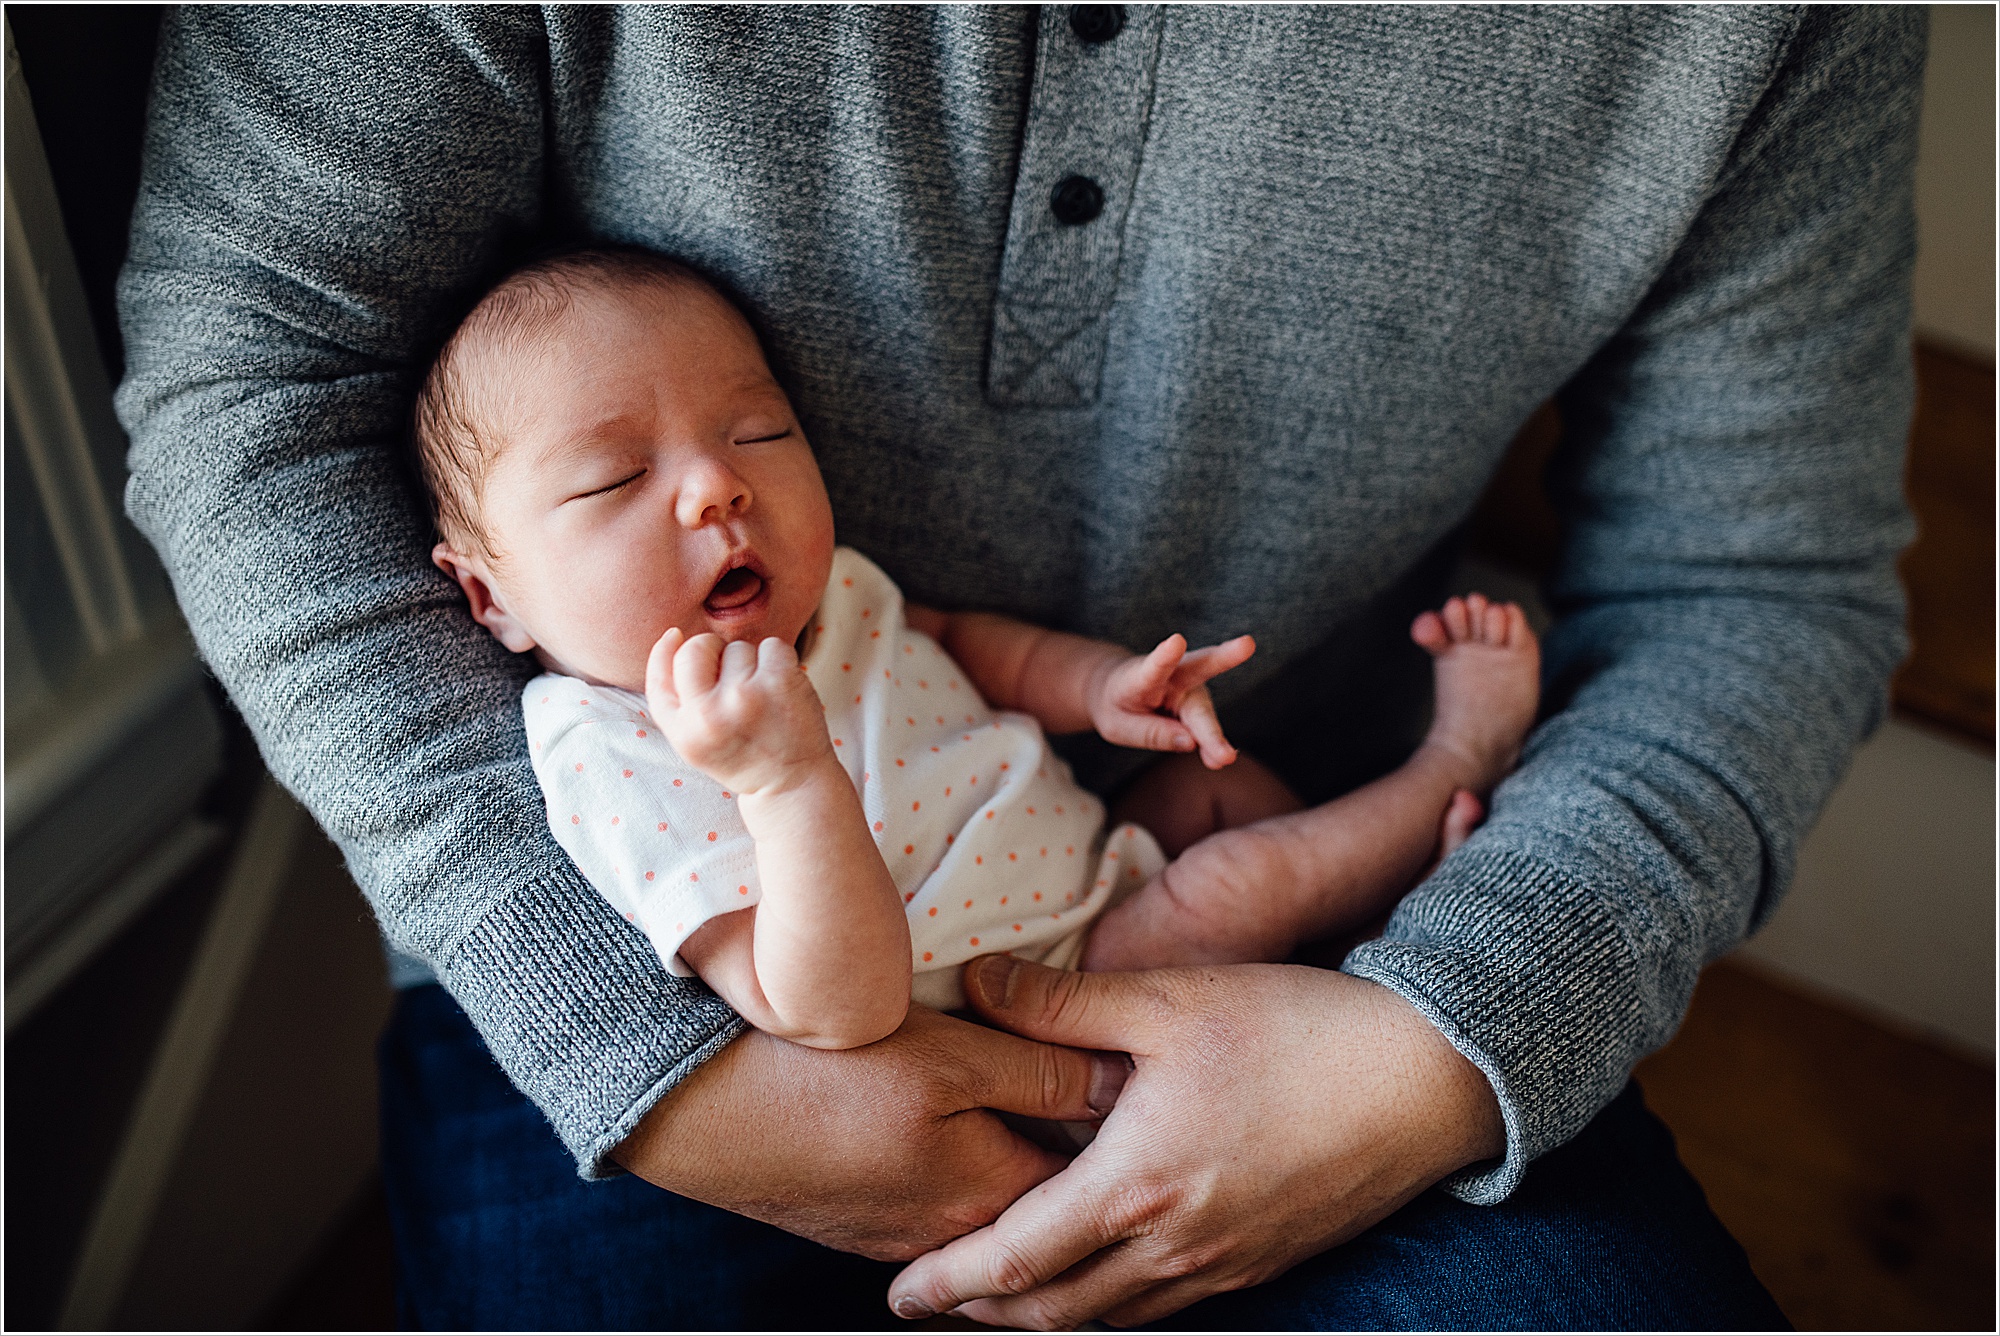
(609, 487)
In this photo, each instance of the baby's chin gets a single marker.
(597, 675)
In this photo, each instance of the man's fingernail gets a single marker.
(1108, 1076)
(995, 977)
(911, 1306)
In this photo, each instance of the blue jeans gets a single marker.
(494, 1229)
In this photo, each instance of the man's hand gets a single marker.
(1160, 701)
(1274, 1111)
(743, 714)
(888, 1150)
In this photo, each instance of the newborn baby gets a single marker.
(816, 797)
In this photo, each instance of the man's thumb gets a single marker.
(1106, 1011)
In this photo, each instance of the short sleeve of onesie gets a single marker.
(662, 842)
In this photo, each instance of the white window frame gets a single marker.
(110, 736)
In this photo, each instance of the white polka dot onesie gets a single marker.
(992, 844)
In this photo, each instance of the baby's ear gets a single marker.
(476, 580)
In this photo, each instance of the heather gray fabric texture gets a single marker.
(1343, 254)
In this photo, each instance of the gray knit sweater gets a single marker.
(1337, 256)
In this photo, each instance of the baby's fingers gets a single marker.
(1143, 680)
(1150, 732)
(697, 665)
(1198, 713)
(660, 693)
(776, 655)
(1214, 660)
(739, 661)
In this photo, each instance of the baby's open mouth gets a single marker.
(736, 587)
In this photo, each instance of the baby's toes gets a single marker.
(1457, 618)
(1520, 635)
(1429, 632)
(1493, 625)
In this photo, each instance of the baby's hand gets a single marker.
(1158, 701)
(742, 714)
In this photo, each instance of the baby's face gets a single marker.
(649, 474)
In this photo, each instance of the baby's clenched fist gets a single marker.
(743, 714)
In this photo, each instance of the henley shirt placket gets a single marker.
(1080, 154)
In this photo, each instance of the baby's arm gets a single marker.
(824, 958)
(1157, 701)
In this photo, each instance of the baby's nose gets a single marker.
(712, 491)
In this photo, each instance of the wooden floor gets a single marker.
(1855, 1164)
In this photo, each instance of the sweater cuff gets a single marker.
(1528, 976)
(575, 1006)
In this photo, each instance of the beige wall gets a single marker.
(1892, 909)
(1955, 183)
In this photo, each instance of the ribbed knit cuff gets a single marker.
(1527, 974)
(581, 1015)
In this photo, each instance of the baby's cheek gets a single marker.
(605, 637)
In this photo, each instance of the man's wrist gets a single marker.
(693, 1112)
(1449, 1096)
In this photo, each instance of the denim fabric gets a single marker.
(494, 1230)
(1344, 252)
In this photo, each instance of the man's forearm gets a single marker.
(1727, 613)
(309, 208)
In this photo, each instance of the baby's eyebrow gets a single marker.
(581, 442)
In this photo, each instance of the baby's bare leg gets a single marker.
(1182, 802)
(1255, 892)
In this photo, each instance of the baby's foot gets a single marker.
(1461, 817)
(1488, 667)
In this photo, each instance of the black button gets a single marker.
(1096, 23)
(1076, 199)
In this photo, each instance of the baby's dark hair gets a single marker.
(453, 449)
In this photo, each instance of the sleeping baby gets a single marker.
(817, 797)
